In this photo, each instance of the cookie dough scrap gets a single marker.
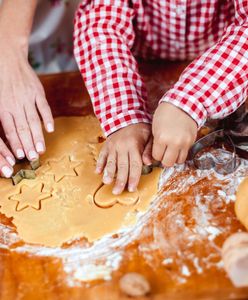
(241, 203)
(68, 185)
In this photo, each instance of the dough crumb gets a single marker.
(235, 258)
(134, 285)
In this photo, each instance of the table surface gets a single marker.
(29, 277)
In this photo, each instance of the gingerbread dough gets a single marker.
(241, 203)
(30, 197)
(104, 197)
(67, 200)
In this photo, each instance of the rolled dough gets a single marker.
(59, 205)
(104, 197)
(30, 197)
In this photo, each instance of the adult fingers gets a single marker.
(101, 162)
(6, 169)
(11, 135)
(25, 136)
(36, 129)
(135, 168)
(5, 152)
(122, 173)
(45, 112)
(110, 168)
(147, 153)
(170, 156)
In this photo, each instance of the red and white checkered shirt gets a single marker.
(110, 33)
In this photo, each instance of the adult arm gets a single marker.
(22, 96)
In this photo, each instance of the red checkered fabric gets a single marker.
(109, 34)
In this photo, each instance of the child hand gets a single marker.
(121, 155)
(174, 132)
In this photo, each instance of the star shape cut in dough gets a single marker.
(30, 197)
(62, 168)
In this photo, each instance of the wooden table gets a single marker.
(25, 276)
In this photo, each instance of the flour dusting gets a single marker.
(100, 259)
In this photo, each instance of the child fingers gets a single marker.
(170, 156)
(158, 149)
(183, 153)
(110, 168)
(36, 129)
(11, 135)
(101, 162)
(122, 173)
(147, 153)
(135, 169)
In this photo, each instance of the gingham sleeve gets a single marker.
(103, 37)
(216, 84)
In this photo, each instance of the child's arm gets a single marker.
(22, 97)
(103, 38)
(214, 85)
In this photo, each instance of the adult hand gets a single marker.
(22, 102)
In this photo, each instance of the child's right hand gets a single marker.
(123, 155)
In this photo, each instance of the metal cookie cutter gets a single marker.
(241, 145)
(26, 174)
(215, 150)
(147, 169)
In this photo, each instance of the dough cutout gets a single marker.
(30, 197)
(104, 197)
(62, 168)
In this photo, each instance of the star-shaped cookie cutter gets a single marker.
(26, 174)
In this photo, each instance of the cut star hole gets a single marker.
(62, 168)
(30, 197)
